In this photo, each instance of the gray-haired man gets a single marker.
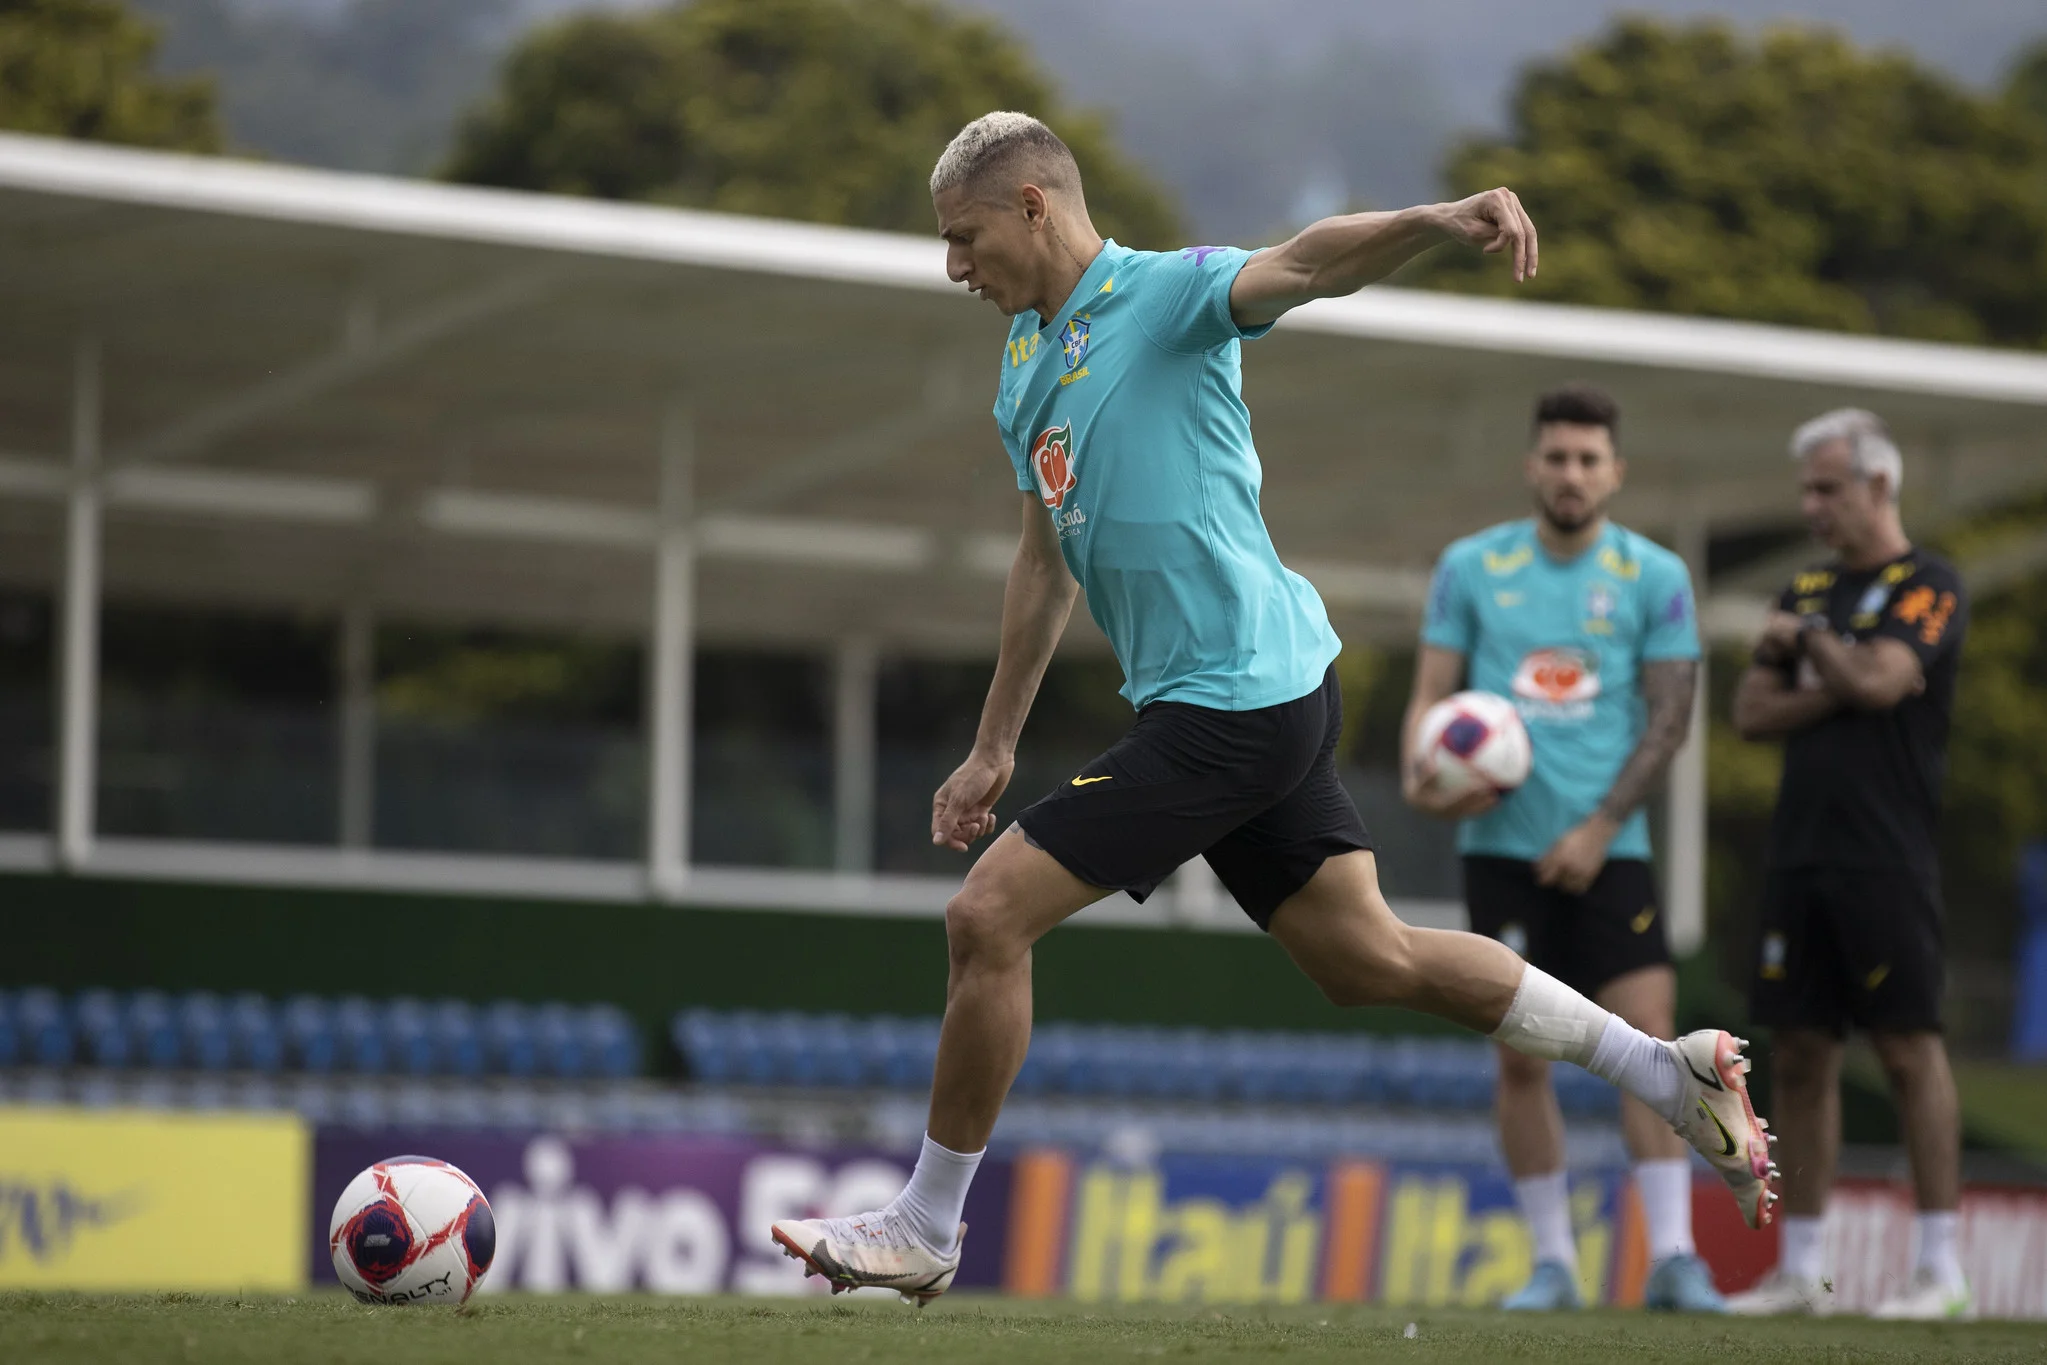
(1856, 671)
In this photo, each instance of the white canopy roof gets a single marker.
(322, 388)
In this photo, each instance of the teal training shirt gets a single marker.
(1565, 641)
(1125, 414)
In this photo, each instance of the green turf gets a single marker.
(43, 1329)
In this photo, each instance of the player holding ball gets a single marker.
(1589, 628)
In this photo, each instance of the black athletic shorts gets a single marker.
(1255, 792)
(1583, 941)
(1845, 946)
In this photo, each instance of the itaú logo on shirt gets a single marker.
(1557, 684)
(1055, 462)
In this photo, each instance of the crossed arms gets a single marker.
(1871, 675)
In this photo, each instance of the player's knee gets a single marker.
(979, 929)
(1905, 1057)
(1803, 1063)
(1379, 971)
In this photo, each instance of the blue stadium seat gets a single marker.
(208, 1042)
(409, 1038)
(153, 1029)
(837, 1045)
(561, 1042)
(458, 1038)
(360, 1030)
(11, 1050)
(508, 1040)
(610, 1042)
(256, 1033)
(703, 1038)
(313, 1042)
(102, 1029)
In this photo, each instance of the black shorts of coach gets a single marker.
(1846, 947)
(1584, 941)
(1254, 792)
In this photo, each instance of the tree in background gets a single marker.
(1788, 178)
(81, 69)
(826, 110)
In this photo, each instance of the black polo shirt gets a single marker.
(1862, 788)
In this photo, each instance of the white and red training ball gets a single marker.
(412, 1229)
(1474, 741)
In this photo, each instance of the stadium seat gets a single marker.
(408, 1038)
(208, 1042)
(312, 1041)
(153, 1030)
(102, 1029)
(560, 1041)
(10, 1033)
(457, 1038)
(360, 1029)
(510, 1046)
(255, 1033)
(703, 1039)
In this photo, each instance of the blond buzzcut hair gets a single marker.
(1005, 143)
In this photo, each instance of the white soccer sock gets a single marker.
(1799, 1243)
(1545, 1202)
(1939, 1256)
(1549, 1019)
(937, 1193)
(1666, 1190)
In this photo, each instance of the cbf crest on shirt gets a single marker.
(1124, 413)
(1566, 641)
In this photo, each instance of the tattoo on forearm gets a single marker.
(1667, 687)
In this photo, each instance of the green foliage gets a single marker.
(2026, 88)
(826, 110)
(1789, 178)
(81, 69)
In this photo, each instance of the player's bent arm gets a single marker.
(1668, 686)
(1870, 675)
(1339, 256)
(1766, 706)
(1035, 606)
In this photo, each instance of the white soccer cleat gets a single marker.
(870, 1251)
(1715, 1117)
(1780, 1296)
(1926, 1299)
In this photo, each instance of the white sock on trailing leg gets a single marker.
(1549, 1019)
(937, 1194)
(1938, 1255)
(1800, 1242)
(1666, 1190)
(1545, 1202)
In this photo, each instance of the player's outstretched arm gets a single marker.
(1339, 256)
(1035, 606)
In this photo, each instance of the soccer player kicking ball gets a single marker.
(1590, 629)
(1119, 403)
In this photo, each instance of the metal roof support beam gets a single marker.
(78, 635)
(356, 358)
(856, 671)
(671, 710)
(1684, 895)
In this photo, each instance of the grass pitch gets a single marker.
(46, 1329)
